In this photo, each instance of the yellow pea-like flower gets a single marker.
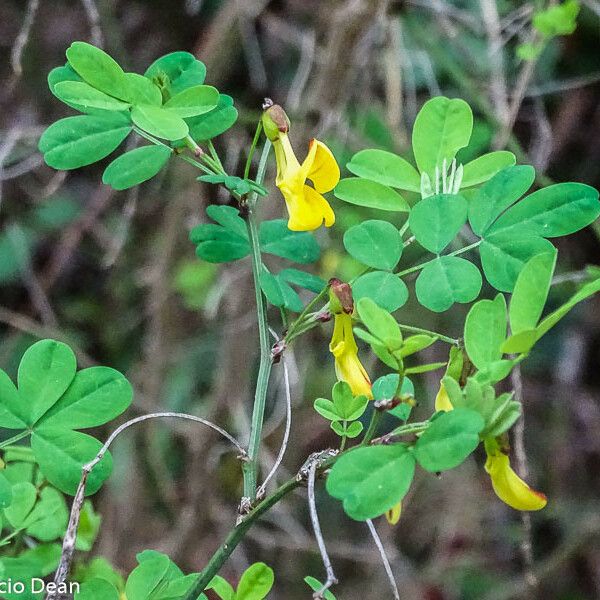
(442, 400)
(307, 208)
(348, 367)
(509, 487)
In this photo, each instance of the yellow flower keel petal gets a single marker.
(509, 487)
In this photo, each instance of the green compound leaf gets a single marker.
(347, 406)
(96, 395)
(441, 129)
(84, 95)
(193, 101)
(67, 73)
(136, 166)
(386, 168)
(97, 68)
(277, 239)
(371, 480)
(61, 455)
(159, 122)
(363, 192)
(385, 288)
(449, 440)
(79, 141)
(531, 292)
(217, 121)
(377, 244)
(256, 582)
(45, 372)
(554, 211)
(12, 412)
(436, 220)
(302, 279)
(503, 256)
(140, 90)
(279, 293)
(97, 589)
(177, 71)
(485, 167)
(485, 331)
(495, 196)
(446, 280)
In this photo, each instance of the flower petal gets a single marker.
(509, 487)
(442, 401)
(323, 169)
(319, 205)
(393, 515)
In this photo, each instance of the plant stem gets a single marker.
(375, 418)
(423, 265)
(252, 150)
(236, 535)
(250, 466)
(15, 438)
(443, 338)
(302, 316)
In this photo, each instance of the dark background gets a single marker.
(113, 274)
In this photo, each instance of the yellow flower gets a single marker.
(348, 367)
(509, 487)
(442, 401)
(393, 515)
(306, 206)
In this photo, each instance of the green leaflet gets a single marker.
(554, 211)
(496, 195)
(441, 129)
(485, 331)
(84, 95)
(385, 168)
(176, 72)
(485, 167)
(136, 166)
(79, 141)
(385, 288)
(436, 220)
(159, 121)
(363, 192)
(374, 243)
(98, 69)
(193, 101)
(446, 280)
(213, 123)
(504, 255)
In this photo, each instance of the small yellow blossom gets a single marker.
(442, 401)
(348, 367)
(307, 208)
(509, 487)
(393, 515)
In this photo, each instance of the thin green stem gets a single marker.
(14, 439)
(150, 138)
(236, 535)
(443, 338)
(404, 228)
(423, 265)
(197, 164)
(302, 317)
(375, 419)
(252, 149)
(215, 156)
(250, 466)
(408, 429)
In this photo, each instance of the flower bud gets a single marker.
(340, 297)
(275, 121)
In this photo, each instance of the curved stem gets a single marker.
(252, 150)
(250, 467)
(443, 338)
